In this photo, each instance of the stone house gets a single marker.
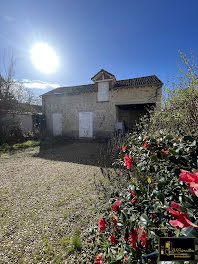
(102, 108)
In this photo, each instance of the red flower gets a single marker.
(165, 152)
(133, 239)
(177, 207)
(152, 261)
(188, 177)
(174, 213)
(102, 224)
(182, 219)
(193, 188)
(115, 222)
(113, 239)
(124, 148)
(181, 222)
(134, 200)
(154, 216)
(192, 179)
(128, 161)
(143, 237)
(145, 145)
(116, 206)
(125, 259)
(99, 260)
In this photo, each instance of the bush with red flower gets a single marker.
(161, 200)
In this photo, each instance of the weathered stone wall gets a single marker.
(104, 113)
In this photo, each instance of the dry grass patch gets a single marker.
(46, 207)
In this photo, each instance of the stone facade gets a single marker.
(105, 114)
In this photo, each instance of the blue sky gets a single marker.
(129, 38)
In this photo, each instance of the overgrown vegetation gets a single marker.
(161, 159)
(14, 99)
(177, 113)
(19, 146)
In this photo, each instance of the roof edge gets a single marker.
(51, 92)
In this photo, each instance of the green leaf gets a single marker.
(169, 137)
(120, 256)
(156, 206)
(113, 251)
(144, 219)
(193, 144)
(190, 231)
(160, 184)
(172, 151)
(161, 197)
(154, 157)
(188, 138)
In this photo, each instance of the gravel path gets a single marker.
(44, 195)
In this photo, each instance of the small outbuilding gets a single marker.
(102, 108)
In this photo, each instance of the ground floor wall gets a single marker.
(103, 115)
(102, 123)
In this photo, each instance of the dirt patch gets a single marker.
(45, 194)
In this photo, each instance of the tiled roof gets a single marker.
(70, 90)
(137, 82)
(128, 83)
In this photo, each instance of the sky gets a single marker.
(129, 38)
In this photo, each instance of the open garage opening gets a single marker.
(129, 115)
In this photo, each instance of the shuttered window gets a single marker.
(103, 91)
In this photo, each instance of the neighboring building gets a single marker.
(99, 109)
(20, 118)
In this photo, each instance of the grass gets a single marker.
(75, 242)
(46, 143)
(5, 148)
(65, 241)
(44, 202)
(60, 203)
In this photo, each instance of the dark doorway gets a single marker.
(130, 114)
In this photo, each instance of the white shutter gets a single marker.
(57, 124)
(103, 91)
(85, 124)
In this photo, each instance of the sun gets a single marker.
(44, 58)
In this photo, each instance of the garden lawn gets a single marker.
(45, 196)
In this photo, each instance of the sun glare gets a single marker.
(44, 58)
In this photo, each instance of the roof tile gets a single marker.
(128, 83)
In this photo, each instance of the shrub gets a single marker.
(178, 112)
(160, 201)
